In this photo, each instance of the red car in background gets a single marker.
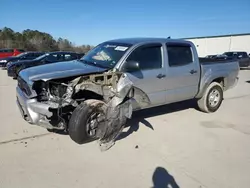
(7, 52)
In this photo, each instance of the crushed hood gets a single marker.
(58, 70)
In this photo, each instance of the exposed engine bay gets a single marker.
(113, 88)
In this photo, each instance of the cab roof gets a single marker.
(134, 41)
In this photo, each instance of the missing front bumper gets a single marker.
(33, 111)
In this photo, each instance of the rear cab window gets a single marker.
(179, 54)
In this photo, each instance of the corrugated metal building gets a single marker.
(211, 45)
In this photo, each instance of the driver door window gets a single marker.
(149, 57)
(50, 59)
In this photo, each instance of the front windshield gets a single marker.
(22, 54)
(106, 54)
(41, 57)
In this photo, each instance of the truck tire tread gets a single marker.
(77, 124)
(203, 102)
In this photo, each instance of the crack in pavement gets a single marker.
(24, 138)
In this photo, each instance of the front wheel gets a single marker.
(212, 98)
(16, 71)
(85, 121)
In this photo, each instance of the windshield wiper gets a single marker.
(93, 63)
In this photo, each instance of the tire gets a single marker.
(18, 69)
(205, 105)
(15, 72)
(15, 76)
(50, 130)
(79, 127)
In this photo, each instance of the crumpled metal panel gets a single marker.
(117, 90)
(119, 108)
(141, 98)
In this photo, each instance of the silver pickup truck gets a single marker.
(91, 98)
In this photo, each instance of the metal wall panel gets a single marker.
(218, 45)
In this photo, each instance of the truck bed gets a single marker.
(221, 68)
(215, 61)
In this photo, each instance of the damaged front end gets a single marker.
(115, 89)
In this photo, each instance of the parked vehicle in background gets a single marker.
(47, 58)
(217, 56)
(91, 98)
(241, 57)
(7, 52)
(23, 56)
(80, 55)
(211, 56)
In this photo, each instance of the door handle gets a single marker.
(161, 76)
(193, 71)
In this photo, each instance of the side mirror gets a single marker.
(131, 66)
(240, 56)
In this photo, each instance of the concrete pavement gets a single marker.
(170, 145)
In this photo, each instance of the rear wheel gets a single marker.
(212, 98)
(85, 121)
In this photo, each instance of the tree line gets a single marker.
(33, 40)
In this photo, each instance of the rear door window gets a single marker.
(179, 54)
